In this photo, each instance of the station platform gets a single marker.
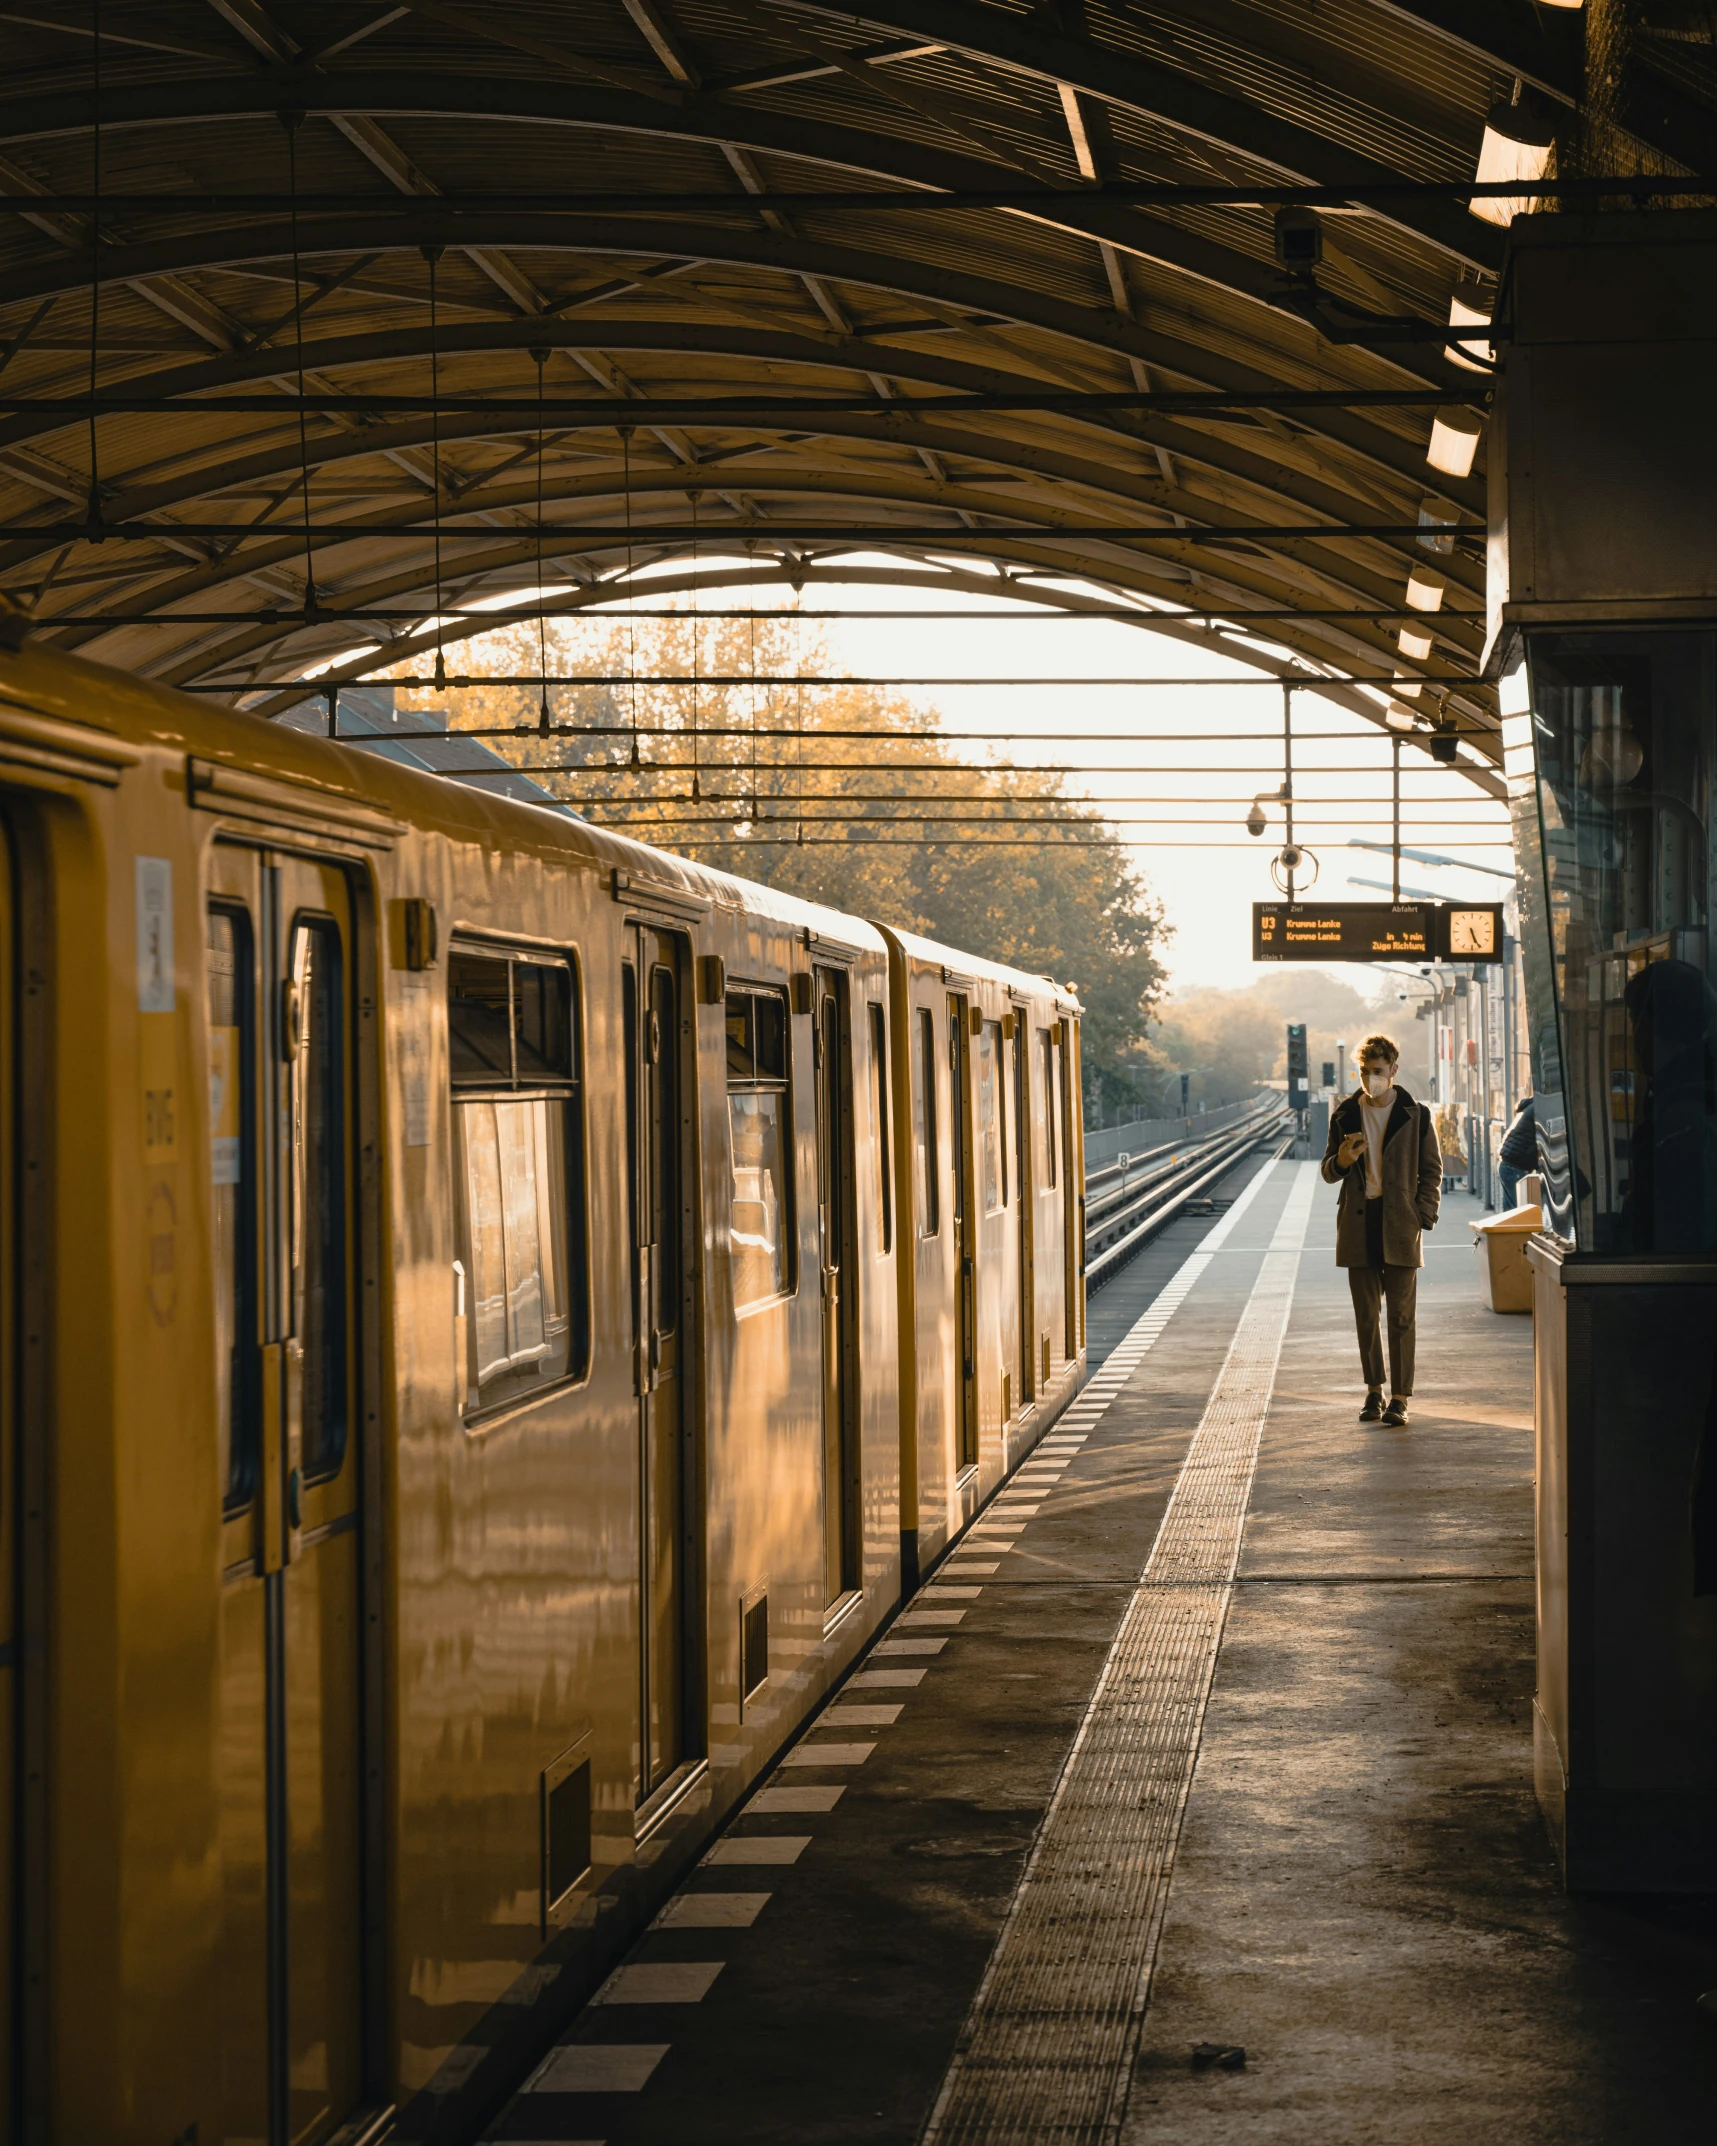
(1191, 1798)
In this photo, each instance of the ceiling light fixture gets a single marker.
(1425, 590)
(1407, 685)
(1414, 646)
(1435, 516)
(1455, 436)
(1469, 306)
(1517, 144)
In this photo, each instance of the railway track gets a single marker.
(1129, 1201)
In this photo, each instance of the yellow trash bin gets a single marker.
(1503, 1240)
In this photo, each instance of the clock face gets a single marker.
(1472, 931)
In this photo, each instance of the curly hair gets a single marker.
(1379, 1047)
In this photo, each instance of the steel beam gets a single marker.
(775, 251)
(869, 152)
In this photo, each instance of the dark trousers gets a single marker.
(1372, 1287)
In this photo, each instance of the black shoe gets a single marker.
(1395, 1415)
(1372, 1412)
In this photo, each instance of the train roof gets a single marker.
(72, 689)
(961, 963)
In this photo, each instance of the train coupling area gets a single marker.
(1190, 1798)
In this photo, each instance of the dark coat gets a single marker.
(1519, 1149)
(1412, 1182)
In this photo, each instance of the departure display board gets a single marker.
(1377, 931)
(1344, 931)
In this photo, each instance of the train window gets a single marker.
(759, 1218)
(542, 1027)
(319, 1236)
(228, 985)
(479, 1019)
(1046, 1042)
(515, 1062)
(879, 1131)
(990, 1114)
(925, 1157)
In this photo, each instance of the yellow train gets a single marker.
(492, 1317)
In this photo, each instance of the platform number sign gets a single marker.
(1298, 1066)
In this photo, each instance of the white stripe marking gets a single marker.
(659, 1982)
(597, 2068)
(711, 1911)
(759, 1848)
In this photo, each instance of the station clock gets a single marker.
(1472, 934)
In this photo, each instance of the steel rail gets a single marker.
(1122, 1177)
(1213, 1160)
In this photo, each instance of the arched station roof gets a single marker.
(688, 273)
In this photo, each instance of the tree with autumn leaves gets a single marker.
(832, 790)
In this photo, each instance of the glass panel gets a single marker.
(757, 1231)
(879, 1126)
(515, 1243)
(665, 1146)
(320, 1173)
(959, 1108)
(759, 1228)
(924, 1125)
(756, 1036)
(515, 1140)
(227, 968)
(634, 1162)
(989, 1115)
(1046, 1104)
(479, 1038)
(1625, 726)
(513, 1023)
(542, 1001)
(485, 1247)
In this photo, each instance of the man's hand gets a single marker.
(1351, 1149)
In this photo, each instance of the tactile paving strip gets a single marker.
(1046, 2051)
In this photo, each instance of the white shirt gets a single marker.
(1374, 1117)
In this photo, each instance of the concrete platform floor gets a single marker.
(1363, 1896)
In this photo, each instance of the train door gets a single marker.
(965, 1226)
(1067, 1102)
(837, 1233)
(11, 1671)
(1017, 1031)
(661, 1183)
(278, 971)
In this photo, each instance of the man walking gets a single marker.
(1383, 1153)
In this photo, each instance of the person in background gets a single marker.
(1383, 1153)
(1518, 1155)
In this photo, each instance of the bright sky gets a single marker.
(1180, 765)
(1176, 766)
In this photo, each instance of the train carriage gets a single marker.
(454, 1422)
(990, 1169)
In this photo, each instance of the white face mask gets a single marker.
(1377, 1084)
